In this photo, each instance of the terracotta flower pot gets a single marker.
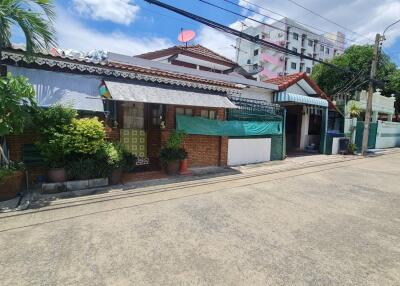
(183, 169)
(172, 167)
(11, 186)
(56, 175)
(116, 177)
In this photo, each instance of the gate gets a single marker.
(371, 135)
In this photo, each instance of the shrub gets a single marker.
(64, 137)
(85, 136)
(17, 103)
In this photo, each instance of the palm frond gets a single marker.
(35, 18)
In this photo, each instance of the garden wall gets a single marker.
(388, 135)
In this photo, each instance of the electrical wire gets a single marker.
(329, 20)
(226, 29)
(260, 22)
(282, 21)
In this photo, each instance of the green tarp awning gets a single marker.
(203, 126)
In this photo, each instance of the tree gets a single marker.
(34, 17)
(357, 61)
(17, 101)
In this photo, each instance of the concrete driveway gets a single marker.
(336, 224)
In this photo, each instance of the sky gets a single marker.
(134, 27)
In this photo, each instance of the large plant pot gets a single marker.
(56, 175)
(11, 186)
(172, 167)
(115, 177)
(183, 169)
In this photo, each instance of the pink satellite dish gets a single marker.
(186, 36)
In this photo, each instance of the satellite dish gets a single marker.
(186, 36)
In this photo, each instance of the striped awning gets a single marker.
(283, 96)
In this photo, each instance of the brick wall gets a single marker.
(202, 150)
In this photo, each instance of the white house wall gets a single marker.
(295, 88)
(258, 94)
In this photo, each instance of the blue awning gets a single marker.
(284, 96)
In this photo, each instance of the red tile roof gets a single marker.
(171, 75)
(137, 69)
(191, 49)
(283, 82)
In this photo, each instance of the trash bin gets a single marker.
(343, 144)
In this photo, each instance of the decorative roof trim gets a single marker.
(101, 69)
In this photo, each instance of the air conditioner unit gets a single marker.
(282, 58)
(282, 43)
(280, 35)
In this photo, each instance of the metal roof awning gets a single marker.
(124, 91)
(70, 90)
(283, 96)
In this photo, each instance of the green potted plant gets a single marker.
(114, 157)
(54, 139)
(172, 153)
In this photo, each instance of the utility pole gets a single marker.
(368, 111)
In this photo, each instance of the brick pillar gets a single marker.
(223, 155)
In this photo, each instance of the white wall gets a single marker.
(248, 151)
(258, 94)
(295, 88)
(388, 135)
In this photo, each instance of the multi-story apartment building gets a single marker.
(289, 34)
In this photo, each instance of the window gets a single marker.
(321, 48)
(308, 70)
(209, 114)
(257, 36)
(310, 43)
(294, 50)
(255, 66)
(184, 111)
(295, 36)
(255, 52)
(133, 115)
(248, 62)
(293, 66)
(327, 51)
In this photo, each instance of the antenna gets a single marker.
(186, 36)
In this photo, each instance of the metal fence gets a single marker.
(254, 110)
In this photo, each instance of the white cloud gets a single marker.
(72, 34)
(217, 41)
(365, 17)
(117, 11)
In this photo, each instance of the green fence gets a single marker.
(371, 135)
(277, 152)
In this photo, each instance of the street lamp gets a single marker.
(388, 27)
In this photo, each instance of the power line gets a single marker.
(282, 21)
(260, 22)
(326, 19)
(242, 35)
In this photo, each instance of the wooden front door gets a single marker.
(154, 117)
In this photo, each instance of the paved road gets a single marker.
(337, 224)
